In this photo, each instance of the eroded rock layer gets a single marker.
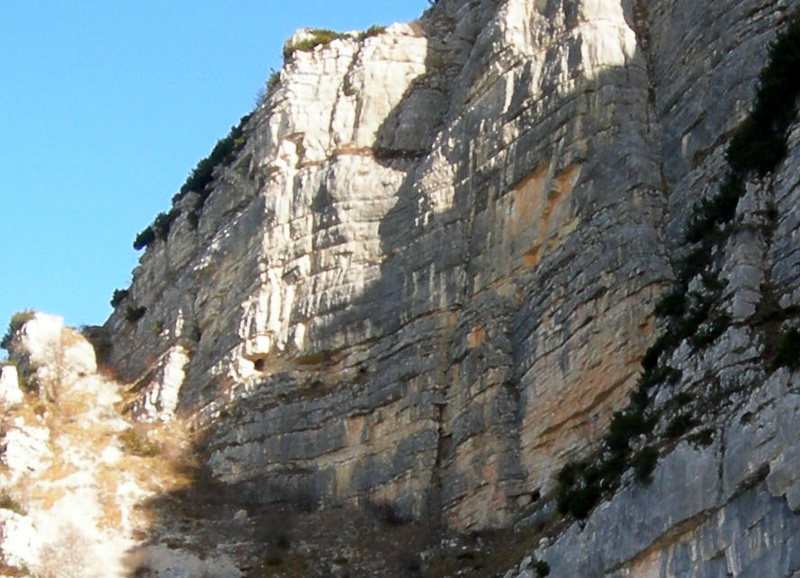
(428, 276)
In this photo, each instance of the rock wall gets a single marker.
(723, 499)
(428, 277)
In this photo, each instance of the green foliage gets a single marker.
(697, 322)
(273, 81)
(270, 86)
(134, 312)
(760, 143)
(9, 503)
(712, 282)
(581, 485)
(788, 353)
(683, 398)
(653, 353)
(639, 398)
(709, 331)
(703, 438)
(570, 473)
(198, 181)
(644, 463)
(626, 425)
(144, 238)
(16, 322)
(693, 263)
(319, 37)
(697, 312)
(671, 304)
(578, 501)
(542, 568)
(374, 30)
(224, 149)
(163, 223)
(662, 374)
(772, 211)
(137, 443)
(118, 297)
(716, 210)
(202, 175)
(679, 425)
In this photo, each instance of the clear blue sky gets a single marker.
(105, 106)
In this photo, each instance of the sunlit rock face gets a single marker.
(428, 276)
(71, 497)
(10, 393)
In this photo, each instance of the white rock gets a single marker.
(21, 542)
(25, 450)
(77, 356)
(161, 399)
(40, 339)
(57, 355)
(10, 393)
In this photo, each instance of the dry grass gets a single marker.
(70, 336)
(65, 558)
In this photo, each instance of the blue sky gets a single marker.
(105, 106)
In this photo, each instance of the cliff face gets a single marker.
(428, 279)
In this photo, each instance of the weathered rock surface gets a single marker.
(50, 355)
(26, 451)
(10, 393)
(428, 279)
(73, 483)
(159, 400)
(418, 232)
(710, 511)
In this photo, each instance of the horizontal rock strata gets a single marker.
(428, 276)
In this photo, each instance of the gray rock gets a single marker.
(428, 279)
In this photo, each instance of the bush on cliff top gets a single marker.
(319, 37)
(118, 297)
(374, 30)
(198, 181)
(144, 238)
(223, 152)
(16, 322)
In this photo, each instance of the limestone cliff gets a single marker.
(426, 279)
(429, 274)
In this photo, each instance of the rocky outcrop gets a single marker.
(392, 288)
(49, 354)
(74, 477)
(427, 279)
(10, 393)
